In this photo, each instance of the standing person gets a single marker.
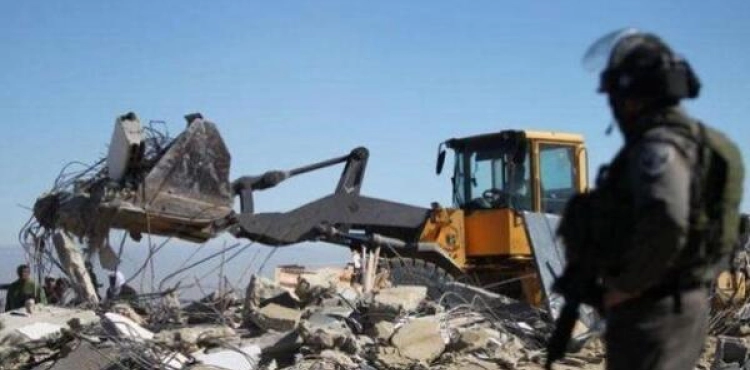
(664, 213)
(356, 264)
(23, 290)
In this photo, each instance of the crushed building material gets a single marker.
(316, 286)
(322, 331)
(14, 322)
(276, 317)
(122, 327)
(420, 339)
(244, 358)
(261, 291)
(382, 331)
(189, 338)
(391, 303)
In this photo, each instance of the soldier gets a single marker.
(664, 212)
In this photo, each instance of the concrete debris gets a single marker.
(420, 339)
(122, 327)
(321, 331)
(188, 339)
(86, 356)
(390, 358)
(391, 303)
(508, 351)
(126, 310)
(341, 359)
(261, 291)
(316, 286)
(333, 327)
(476, 339)
(395, 328)
(14, 323)
(245, 358)
(276, 317)
(382, 331)
(39, 330)
(275, 345)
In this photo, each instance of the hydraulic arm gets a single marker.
(342, 217)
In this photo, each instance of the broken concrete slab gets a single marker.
(276, 317)
(313, 286)
(348, 294)
(420, 339)
(475, 339)
(506, 350)
(127, 310)
(123, 327)
(341, 359)
(244, 358)
(189, 337)
(382, 331)
(391, 358)
(86, 356)
(390, 303)
(261, 291)
(276, 344)
(12, 321)
(39, 330)
(321, 331)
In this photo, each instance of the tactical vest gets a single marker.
(716, 192)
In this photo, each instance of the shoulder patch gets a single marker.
(654, 158)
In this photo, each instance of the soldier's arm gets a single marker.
(660, 178)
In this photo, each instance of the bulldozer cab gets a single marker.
(498, 176)
(517, 170)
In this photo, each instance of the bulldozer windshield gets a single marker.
(491, 178)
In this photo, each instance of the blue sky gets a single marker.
(293, 82)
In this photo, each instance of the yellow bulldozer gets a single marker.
(496, 177)
(182, 189)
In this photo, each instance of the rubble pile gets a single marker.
(318, 324)
(335, 326)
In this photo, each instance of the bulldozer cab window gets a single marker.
(557, 174)
(490, 179)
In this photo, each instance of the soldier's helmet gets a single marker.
(633, 63)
